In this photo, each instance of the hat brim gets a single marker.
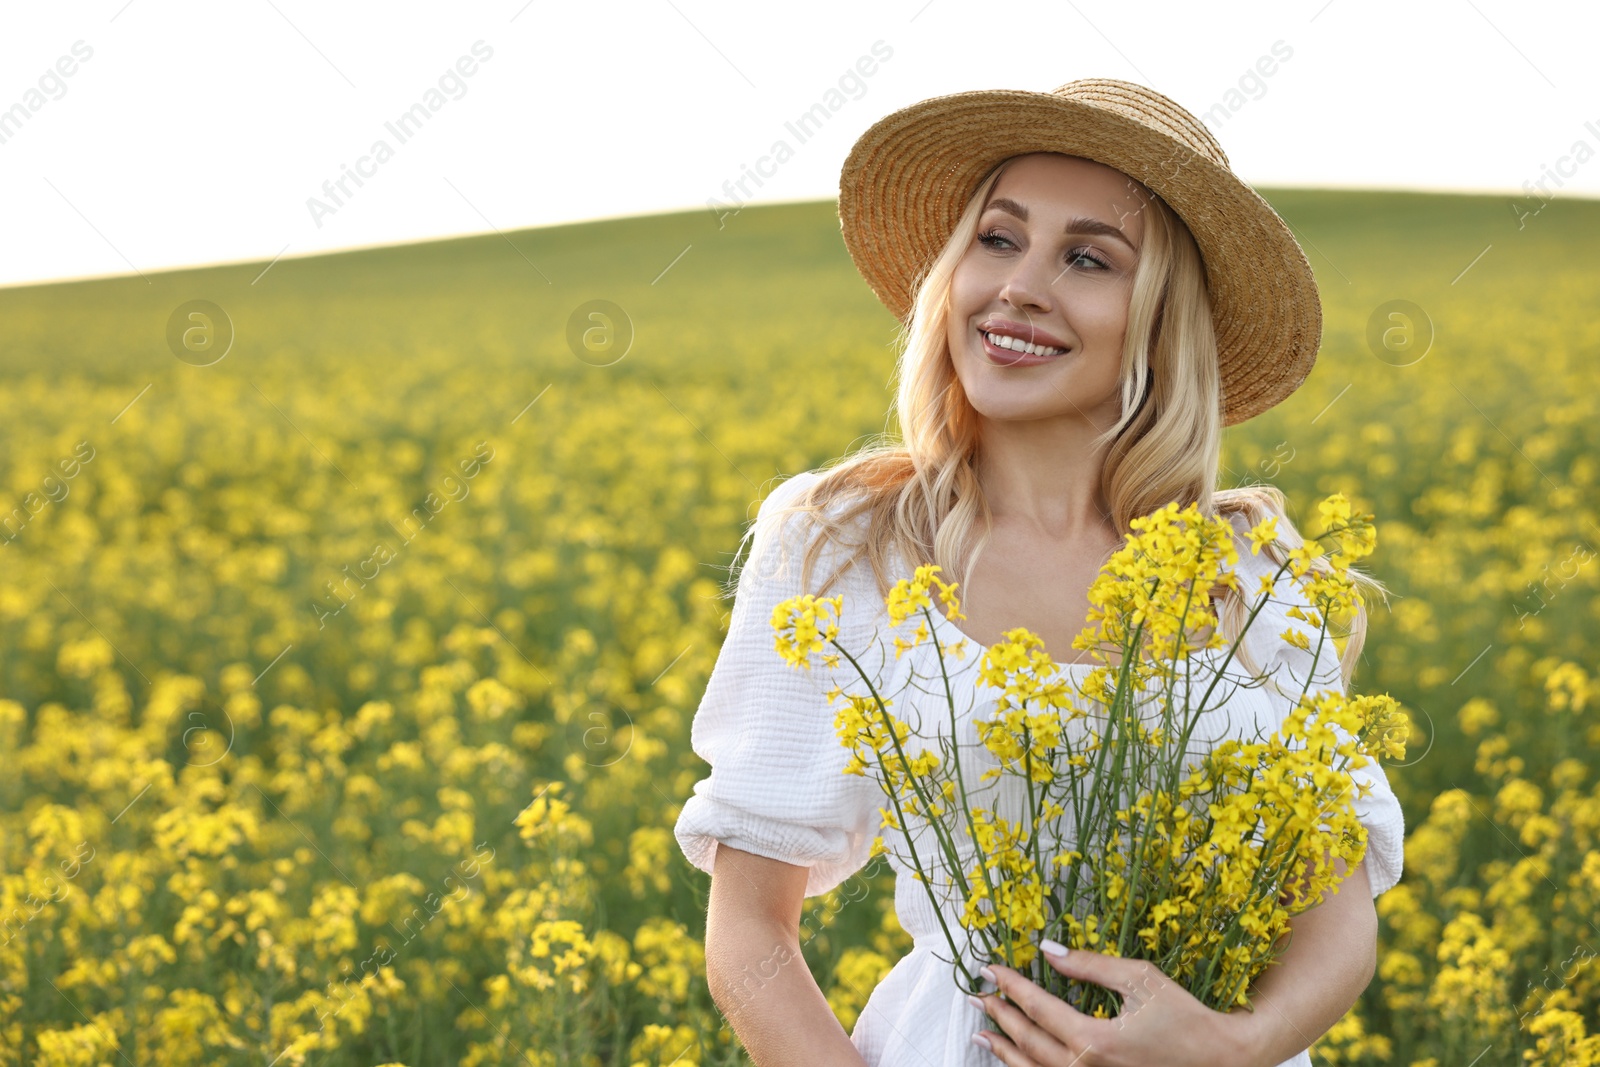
(908, 178)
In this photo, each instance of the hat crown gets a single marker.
(1148, 107)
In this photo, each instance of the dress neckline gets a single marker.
(963, 635)
(1205, 654)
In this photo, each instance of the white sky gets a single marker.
(196, 132)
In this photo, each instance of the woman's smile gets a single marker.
(1007, 351)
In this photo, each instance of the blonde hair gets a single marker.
(922, 497)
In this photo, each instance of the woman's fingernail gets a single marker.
(987, 974)
(975, 1002)
(982, 1042)
(1052, 948)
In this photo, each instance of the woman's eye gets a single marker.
(993, 239)
(989, 238)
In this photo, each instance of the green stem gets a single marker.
(894, 797)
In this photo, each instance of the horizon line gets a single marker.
(775, 202)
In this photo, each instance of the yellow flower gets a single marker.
(1263, 533)
(1334, 509)
(1300, 559)
(910, 594)
(803, 626)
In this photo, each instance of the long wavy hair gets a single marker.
(921, 495)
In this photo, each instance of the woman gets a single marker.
(1090, 295)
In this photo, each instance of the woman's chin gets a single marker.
(1000, 397)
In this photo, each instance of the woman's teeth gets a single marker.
(1017, 344)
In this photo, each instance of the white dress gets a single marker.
(777, 786)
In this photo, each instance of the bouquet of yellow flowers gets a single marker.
(1196, 865)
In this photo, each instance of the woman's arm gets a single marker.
(1331, 957)
(755, 970)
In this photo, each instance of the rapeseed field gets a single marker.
(354, 610)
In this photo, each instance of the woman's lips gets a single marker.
(1020, 331)
(1007, 357)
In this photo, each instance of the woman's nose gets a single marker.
(1028, 284)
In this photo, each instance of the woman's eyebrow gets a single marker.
(1076, 224)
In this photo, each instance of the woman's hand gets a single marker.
(1161, 1023)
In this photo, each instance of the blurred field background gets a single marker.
(434, 826)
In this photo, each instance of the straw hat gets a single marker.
(909, 177)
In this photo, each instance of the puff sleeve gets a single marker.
(1286, 668)
(777, 786)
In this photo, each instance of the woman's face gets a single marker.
(1052, 263)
